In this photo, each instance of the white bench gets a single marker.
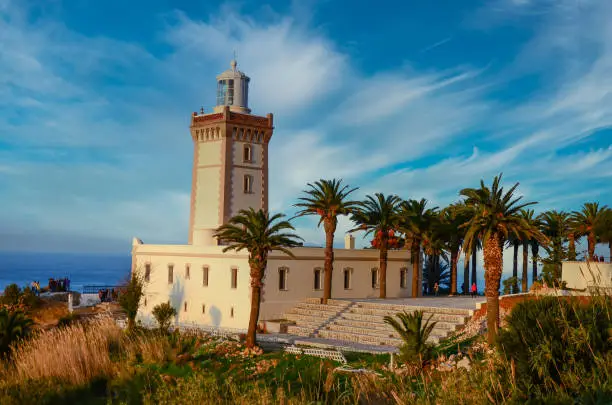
(325, 354)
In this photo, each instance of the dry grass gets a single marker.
(80, 352)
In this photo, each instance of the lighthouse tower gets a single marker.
(230, 160)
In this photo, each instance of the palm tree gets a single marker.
(515, 243)
(415, 221)
(535, 247)
(555, 226)
(475, 249)
(604, 230)
(495, 217)
(414, 333)
(434, 246)
(466, 273)
(14, 325)
(379, 215)
(259, 234)
(586, 220)
(534, 223)
(327, 199)
(451, 220)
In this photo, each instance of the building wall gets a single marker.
(207, 186)
(219, 298)
(581, 275)
(240, 199)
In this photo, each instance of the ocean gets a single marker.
(83, 269)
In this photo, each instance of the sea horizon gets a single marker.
(81, 268)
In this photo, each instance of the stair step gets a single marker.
(384, 309)
(446, 326)
(456, 319)
(299, 330)
(314, 312)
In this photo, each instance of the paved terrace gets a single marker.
(461, 302)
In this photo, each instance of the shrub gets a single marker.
(511, 285)
(130, 297)
(414, 333)
(163, 314)
(14, 325)
(558, 343)
(11, 295)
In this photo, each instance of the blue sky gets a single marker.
(415, 98)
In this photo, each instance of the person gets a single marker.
(474, 290)
(101, 295)
(436, 288)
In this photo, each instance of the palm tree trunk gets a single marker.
(525, 265)
(466, 274)
(610, 247)
(515, 268)
(571, 249)
(256, 283)
(493, 263)
(534, 259)
(453, 275)
(330, 228)
(415, 253)
(383, 268)
(474, 278)
(591, 239)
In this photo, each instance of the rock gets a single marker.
(464, 363)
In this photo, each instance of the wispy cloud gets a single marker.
(436, 44)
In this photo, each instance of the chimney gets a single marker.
(349, 241)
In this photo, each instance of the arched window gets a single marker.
(205, 276)
(234, 277)
(403, 277)
(247, 153)
(185, 306)
(170, 273)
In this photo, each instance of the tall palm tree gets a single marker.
(379, 215)
(327, 199)
(258, 233)
(532, 220)
(415, 221)
(451, 220)
(515, 243)
(604, 230)
(586, 220)
(495, 216)
(555, 225)
(434, 246)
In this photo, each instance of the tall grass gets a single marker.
(81, 352)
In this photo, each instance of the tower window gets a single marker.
(234, 277)
(247, 153)
(187, 272)
(248, 184)
(347, 279)
(374, 278)
(147, 275)
(232, 312)
(282, 278)
(317, 278)
(185, 306)
(205, 276)
(170, 273)
(203, 308)
(403, 276)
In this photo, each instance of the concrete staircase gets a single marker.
(363, 321)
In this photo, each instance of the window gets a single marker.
(187, 272)
(225, 92)
(203, 308)
(317, 278)
(170, 273)
(232, 312)
(147, 275)
(145, 301)
(282, 278)
(374, 278)
(247, 153)
(403, 276)
(205, 276)
(234, 277)
(185, 306)
(347, 279)
(248, 184)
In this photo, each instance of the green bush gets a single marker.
(14, 325)
(557, 344)
(163, 314)
(414, 333)
(11, 294)
(130, 297)
(511, 285)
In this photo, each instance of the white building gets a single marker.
(230, 172)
